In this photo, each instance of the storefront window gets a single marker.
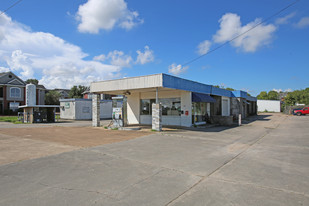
(145, 107)
(170, 106)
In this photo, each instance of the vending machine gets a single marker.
(119, 112)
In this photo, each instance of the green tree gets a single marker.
(297, 96)
(306, 96)
(273, 95)
(222, 87)
(32, 81)
(77, 91)
(52, 98)
(230, 89)
(262, 95)
(289, 99)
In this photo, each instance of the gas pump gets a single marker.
(119, 112)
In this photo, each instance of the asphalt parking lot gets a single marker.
(263, 162)
(18, 142)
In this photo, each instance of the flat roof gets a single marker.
(163, 82)
(41, 106)
(81, 100)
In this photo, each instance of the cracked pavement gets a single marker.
(264, 162)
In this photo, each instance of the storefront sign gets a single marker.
(67, 105)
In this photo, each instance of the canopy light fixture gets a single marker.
(127, 93)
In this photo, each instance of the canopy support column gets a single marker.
(96, 110)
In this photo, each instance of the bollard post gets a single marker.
(239, 120)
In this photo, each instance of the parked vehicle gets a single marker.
(302, 111)
(295, 110)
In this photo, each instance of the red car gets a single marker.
(303, 111)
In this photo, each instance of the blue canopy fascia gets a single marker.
(198, 97)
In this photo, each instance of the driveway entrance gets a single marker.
(264, 162)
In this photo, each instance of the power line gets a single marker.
(236, 37)
(10, 7)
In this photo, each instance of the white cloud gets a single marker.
(303, 22)
(289, 90)
(231, 27)
(20, 61)
(131, 20)
(55, 62)
(117, 58)
(4, 69)
(95, 15)
(144, 57)
(177, 69)
(281, 90)
(277, 90)
(101, 58)
(203, 47)
(285, 19)
(70, 74)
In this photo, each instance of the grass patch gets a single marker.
(19, 122)
(57, 117)
(13, 119)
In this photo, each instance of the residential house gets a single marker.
(12, 92)
(64, 93)
(40, 94)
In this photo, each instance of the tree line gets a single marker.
(289, 98)
(271, 95)
(52, 97)
(297, 96)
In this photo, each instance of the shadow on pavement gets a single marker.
(208, 127)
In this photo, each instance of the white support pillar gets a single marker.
(157, 117)
(96, 110)
(157, 95)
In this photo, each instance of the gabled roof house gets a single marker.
(12, 92)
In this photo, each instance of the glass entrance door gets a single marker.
(199, 113)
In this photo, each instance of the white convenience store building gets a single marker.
(183, 102)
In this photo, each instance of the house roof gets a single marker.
(61, 90)
(9, 78)
(40, 86)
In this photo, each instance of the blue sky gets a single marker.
(64, 43)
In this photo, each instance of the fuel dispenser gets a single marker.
(119, 116)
